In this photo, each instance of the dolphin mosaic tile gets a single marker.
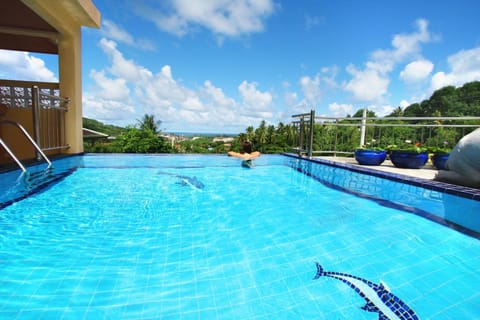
(378, 298)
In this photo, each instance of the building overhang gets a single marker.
(37, 25)
(92, 134)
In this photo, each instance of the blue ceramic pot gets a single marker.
(408, 159)
(370, 157)
(439, 160)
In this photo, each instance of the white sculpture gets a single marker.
(463, 164)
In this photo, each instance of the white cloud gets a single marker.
(311, 89)
(313, 21)
(371, 83)
(291, 99)
(367, 84)
(340, 110)
(166, 87)
(107, 110)
(404, 104)
(222, 17)
(122, 67)
(385, 110)
(192, 104)
(465, 67)
(293, 106)
(112, 31)
(416, 71)
(107, 88)
(441, 79)
(253, 98)
(381, 110)
(23, 66)
(329, 75)
(216, 95)
(404, 45)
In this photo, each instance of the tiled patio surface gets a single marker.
(427, 172)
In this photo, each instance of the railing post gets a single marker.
(301, 137)
(310, 138)
(363, 127)
(336, 138)
(36, 117)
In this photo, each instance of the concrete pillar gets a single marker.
(70, 74)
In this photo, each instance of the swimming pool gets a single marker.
(200, 237)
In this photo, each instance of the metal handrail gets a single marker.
(307, 115)
(305, 119)
(27, 135)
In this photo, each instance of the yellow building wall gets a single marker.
(70, 73)
(13, 137)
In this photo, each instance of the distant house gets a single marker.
(92, 134)
(223, 139)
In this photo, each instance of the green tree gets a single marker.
(136, 140)
(397, 112)
(250, 132)
(202, 145)
(260, 136)
(359, 114)
(148, 122)
(413, 110)
(291, 134)
(95, 125)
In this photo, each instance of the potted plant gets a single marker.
(439, 155)
(410, 156)
(372, 156)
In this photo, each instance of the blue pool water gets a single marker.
(200, 237)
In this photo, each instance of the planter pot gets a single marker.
(439, 160)
(370, 157)
(408, 159)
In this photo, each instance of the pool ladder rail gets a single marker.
(25, 133)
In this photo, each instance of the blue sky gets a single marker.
(224, 65)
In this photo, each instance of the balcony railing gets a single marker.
(47, 110)
(341, 135)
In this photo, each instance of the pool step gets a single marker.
(33, 179)
(31, 182)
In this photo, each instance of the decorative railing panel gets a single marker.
(47, 109)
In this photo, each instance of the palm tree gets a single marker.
(281, 128)
(397, 112)
(291, 133)
(148, 122)
(261, 132)
(250, 133)
(271, 134)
